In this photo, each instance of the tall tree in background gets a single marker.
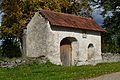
(78, 7)
(111, 13)
(17, 13)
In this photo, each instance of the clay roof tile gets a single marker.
(71, 21)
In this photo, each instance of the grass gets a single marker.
(53, 72)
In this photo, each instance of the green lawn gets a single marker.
(53, 72)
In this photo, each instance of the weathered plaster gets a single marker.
(80, 50)
(44, 39)
(36, 36)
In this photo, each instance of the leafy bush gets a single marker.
(10, 48)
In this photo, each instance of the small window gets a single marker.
(91, 52)
(84, 34)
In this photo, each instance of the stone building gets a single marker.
(63, 38)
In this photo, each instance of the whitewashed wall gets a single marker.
(43, 39)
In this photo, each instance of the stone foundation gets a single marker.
(111, 57)
(106, 57)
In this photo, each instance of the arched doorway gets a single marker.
(91, 52)
(66, 50)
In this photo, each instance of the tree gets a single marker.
(17, 13)
(78, 7)
(111, 39)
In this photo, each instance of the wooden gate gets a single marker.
(66, 52)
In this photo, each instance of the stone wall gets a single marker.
(106, 57)
(10, 63)
(111, 57)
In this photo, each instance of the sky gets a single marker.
(96, 14)
(97, 17)
(0, 19)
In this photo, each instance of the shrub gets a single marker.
(10, 49)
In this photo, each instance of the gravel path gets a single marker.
(113, 76)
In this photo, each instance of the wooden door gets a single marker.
(65, 54)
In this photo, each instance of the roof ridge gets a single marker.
(67, 14)
(70, 21)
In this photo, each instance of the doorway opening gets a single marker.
(66, 50)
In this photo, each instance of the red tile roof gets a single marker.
(71, 21)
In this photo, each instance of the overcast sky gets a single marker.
(97, 17)
(0, 19)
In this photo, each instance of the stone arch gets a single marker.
(67, 50)
(91, 52)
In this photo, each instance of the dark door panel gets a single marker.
(65, 54)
